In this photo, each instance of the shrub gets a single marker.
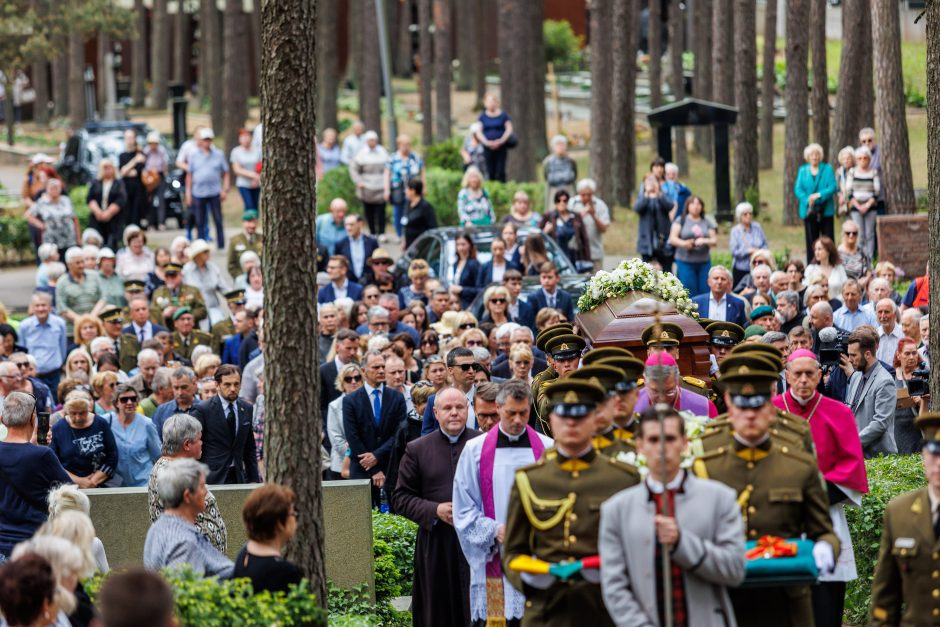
(352, 607)
(887, 477)
(445, 155)
(16, 243)
(562, 46)
(209, 602)
(399, 536)
(337, 184)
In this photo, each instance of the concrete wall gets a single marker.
(121, 520)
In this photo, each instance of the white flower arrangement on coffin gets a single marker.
(694, 427)
(635, 275)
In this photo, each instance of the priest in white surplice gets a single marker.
(484, 478)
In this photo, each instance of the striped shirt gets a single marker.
(172, 541)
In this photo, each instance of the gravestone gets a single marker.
(902, 240)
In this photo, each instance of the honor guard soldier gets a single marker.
(133, 288)
(564, 354)
(722, 337)
(595, 355)
(770, 351)
(185, 337)
(628, 390)
(224, 329)
(779, 491)
(549, 373)
(248, 239)
(125, 344)
(608, 378)
(666, 337)
(906, 585)
(174, 294)
(551, 548)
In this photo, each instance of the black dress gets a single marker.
(266, 572)
(136, 193)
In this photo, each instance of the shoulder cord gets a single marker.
(528, 498)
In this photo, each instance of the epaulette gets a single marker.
(796, 453)
(619, 465)
(696, 382)
(532, 466)
(787, 437)
(707, 455)
(793, 422)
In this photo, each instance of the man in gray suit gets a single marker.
(703, 532)
(871, 394)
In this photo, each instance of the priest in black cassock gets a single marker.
(441, 591)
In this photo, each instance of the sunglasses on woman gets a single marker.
(467, 325)
(429, 342)
(355, 378)
(475, 343)
(127, 399)
(498, 301)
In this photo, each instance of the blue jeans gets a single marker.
(250, 196)
(694, 276)
(202, 207)
(398, 212)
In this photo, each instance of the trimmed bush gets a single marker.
(562, 46)
(337, 184)
(445, 155)
(398, 534)
(16, 244)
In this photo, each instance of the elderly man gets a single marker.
(331, 226)
(760, 277)
(719, 303)
(207, 184)
(174, 294)
(185, 336)
(878, 288)
(595, 214)
(353, 142)
(519, 335)
(765, 317)
(910, 323)
(924, 348)
(378, 321)
(789, 310)
(183, 387)
(462, 367)
(45, 336)
(840, 460)
(328, 316)
(340, 285)
(889, 331)
(871, 394)
(820, 317)
(798, 338)
(148, 360)
(391, 304)
(779, 281)
(482, 483)
(424, 494)
(162, 392)
(357, 247)
(851, 314)
(662, 386)
(248, 239)
(702, 529)
(78, 292)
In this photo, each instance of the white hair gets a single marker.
(742, 208)
(55, 269)
(101, 343)
(46, 250)
(559, 139)
(147, 353)
(248, 255)
(671, 168)
(65, 559)
(176, 477)
(862, 151)
(586, 184)
(817, 148)
(90, 234)
(74, 254)
(506, 329)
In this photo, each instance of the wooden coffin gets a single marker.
(620, 322)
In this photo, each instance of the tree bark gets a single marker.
(76, 61)
(139, 56)
(466, 44)
(702, 83)
(60, 81)
(402, 59)
(768, 87)
(442, 71)
(234, 74)
(797, 122)
(370, 75)
(40, 73)
(424, 64)
(516, 68)
(745, 94)
(327, 65)
(290, 346)
(213, 57)
(536, 99)
(101, 88)
(820, 104)
(933, 189)
(623, 98)
(181, 45)
(354, 17)
(722, 55)
(600, 148)
(655, 39)
(256, 46)
(853, 88)
(896, 182)
(158, 55)
(483, 59)
(677, 82)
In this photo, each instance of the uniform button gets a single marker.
(935, 594)
(936, 574)
(750, 487)
(572, 495)
(573, 539)
(575, 474)
(751, 509)
(528, 603)
(785, 449)
(572, 517)
(903, 551)
(753, 533)
(936, 612)
(750, 465)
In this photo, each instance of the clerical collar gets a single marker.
(511, 438)
(452, 438)
(763, 443)
(587, 454)
(503, 440)
(656, 487)
(799, 400)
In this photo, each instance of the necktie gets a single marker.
(141, 336)
(377, 406)
(551, 301)
(230, 419)
(858, 393)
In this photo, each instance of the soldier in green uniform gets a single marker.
(628, 390)
(248, 239)
(610, 379)
(224, 329)
(666, 337)
(551, 550)
(549, 373)
(595, 355)
(133, 288)
(174, 294)
(906, 586)
(722, 337)
(780, 493)
(125, 344)
(185, 338)
(564, 353)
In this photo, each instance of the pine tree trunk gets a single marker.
(466, 44)
(866, 106)
(722, 55)
(60, 81)
(745, 94)
(370, 75)
(655, 70)
(354, 17)
(442, 73)
(849, 118)
(796, 127)
(40, 73)
(601, 18)
(623, 97)
(896, 182)
(234, 74)
(213, 50)
(291, 366)
(702, 83)
(483, 60)
(76, 60)
(820, 105)
(933, 188)
(677, 84)
(256, 46)
(139, 56)
(181, 46)
(101, 73)
(158, 55)
(327, 65)
(403, 61)
(425, 63)
(536, 59)
(517, 84)
(768, 87)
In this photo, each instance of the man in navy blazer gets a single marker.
(340, 284)
(228, 442)
(370, 434)
(357, 247)
(719, 303)
(141, 326)
(550, 295)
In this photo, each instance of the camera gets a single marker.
(42, 428)
(918, 384)
(831, 348)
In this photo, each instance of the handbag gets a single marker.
(150, 179)
(512, 141)
(397, 195)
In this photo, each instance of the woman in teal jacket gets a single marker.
(815, 187)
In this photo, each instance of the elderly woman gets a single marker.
(471, 151)
(846, 163)
(826, 262)
(254, 291)
(182, 439)
(136, 438)
(174, 538)
(862, 188)
(567, 227)
(248, 260)
(495, 134)
(348, 380)
(474, 207)
(179, 250)
(68, 567)
(402, 167)
(560, 171)
(815, 188)
(205, 275)
(78, 365)
(547, 317)
(106, 200)
(693, 235)
(521, 213)
(103, 385)
(54, 217)
(28, 596)
(270, 518)
(64, 501)
(85, 445)
(653, 208)
(747, 237)
(887, 271)
(367, 171)
(87, 328)
(156, 162)
(135, 260)
(906, 361)
(496, 305)
(856, 262)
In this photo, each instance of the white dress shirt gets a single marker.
(717, 309)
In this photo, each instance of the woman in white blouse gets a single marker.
(135, 260)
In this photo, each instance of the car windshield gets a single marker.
(483, 238)
(105, 145)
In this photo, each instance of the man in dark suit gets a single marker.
(141, 327)
(370, 419)
(347, 348)
(550, 295)
(228, 443)
(340, 285)
(357, 247)
(519, 311)
(719, 303)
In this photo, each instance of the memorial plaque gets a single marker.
(902, 240)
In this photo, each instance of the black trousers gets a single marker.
(375, 217)
(828, 603)
(814, 229)
(496, 163)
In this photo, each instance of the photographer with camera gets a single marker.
(871, 394)
(912, 395)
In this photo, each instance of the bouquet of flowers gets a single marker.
(637, 275)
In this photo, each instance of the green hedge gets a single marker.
(16, 244)
(887, 478)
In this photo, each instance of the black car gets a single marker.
(437, 247)
(84, 150)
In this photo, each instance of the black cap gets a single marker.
(725, 333)
(662, 334)
(608, 377)
(929, 424)
(134, 285)
(631, 367)
(565, 346)
(236, 297)
(595, 355)
(172, 267)
(768, 351)
(572, 398)
(750, 379)
(548, 333)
